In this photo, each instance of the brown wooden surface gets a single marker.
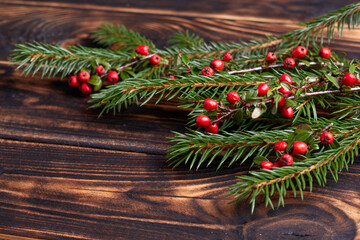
(65, 174)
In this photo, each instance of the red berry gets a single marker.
(299, 52)
(154, 59)
(83, 76)
(270, 57)
(171, 76)
(113, 77)
(280, 146)
(286, 78)
(217, 64)
(233, 97)
(210, 104)
(299, 147)
(326, 138)
(227, 57)
(324, 52)
(289, 63)
(212, 128)
(207, 71)
(287, 112)
(284, 91)
(348, 79)
(74, 81)
(202, 121)
(142, 49)
(281, 102)
(262, 89)
(85, 89)
(100, 70)
(357, 81)
(188, 70)
(286, 160)
(266, 165)
(276, 164)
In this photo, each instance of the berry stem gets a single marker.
(326, 92)
(133, 62)
(356, 89)
(255, 69)
(327, 128)
(226, 115)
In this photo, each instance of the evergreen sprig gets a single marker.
(251, 136)
(54, 59)
(298, 176)
(327, 25)
(120, 37)
(135, 90)
(185, 40)
(199, 148)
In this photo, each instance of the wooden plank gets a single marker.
(77, 22)
(65, 192)
(50, 111)
(12, 237)
(225, 9)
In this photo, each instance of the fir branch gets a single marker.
(120, 37)
(267, 182)
(349, 15)
(238, 49)
(132, 90)
(347, 106)
(54, 59)
(185, 40)
(197, 148)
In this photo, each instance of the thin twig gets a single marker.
(356, 89)
(132, 63)
(255, 69)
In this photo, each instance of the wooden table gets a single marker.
(65, 174)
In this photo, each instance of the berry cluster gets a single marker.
(144, 51)
(298, 148)
(216, 64)
(204, 121)
(88, 83)
(277, 96)
(92, 80)
(297, 52)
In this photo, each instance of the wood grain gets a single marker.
(49, 111)
(84, 191)
(64, 174)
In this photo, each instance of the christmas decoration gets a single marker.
(285, 104)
